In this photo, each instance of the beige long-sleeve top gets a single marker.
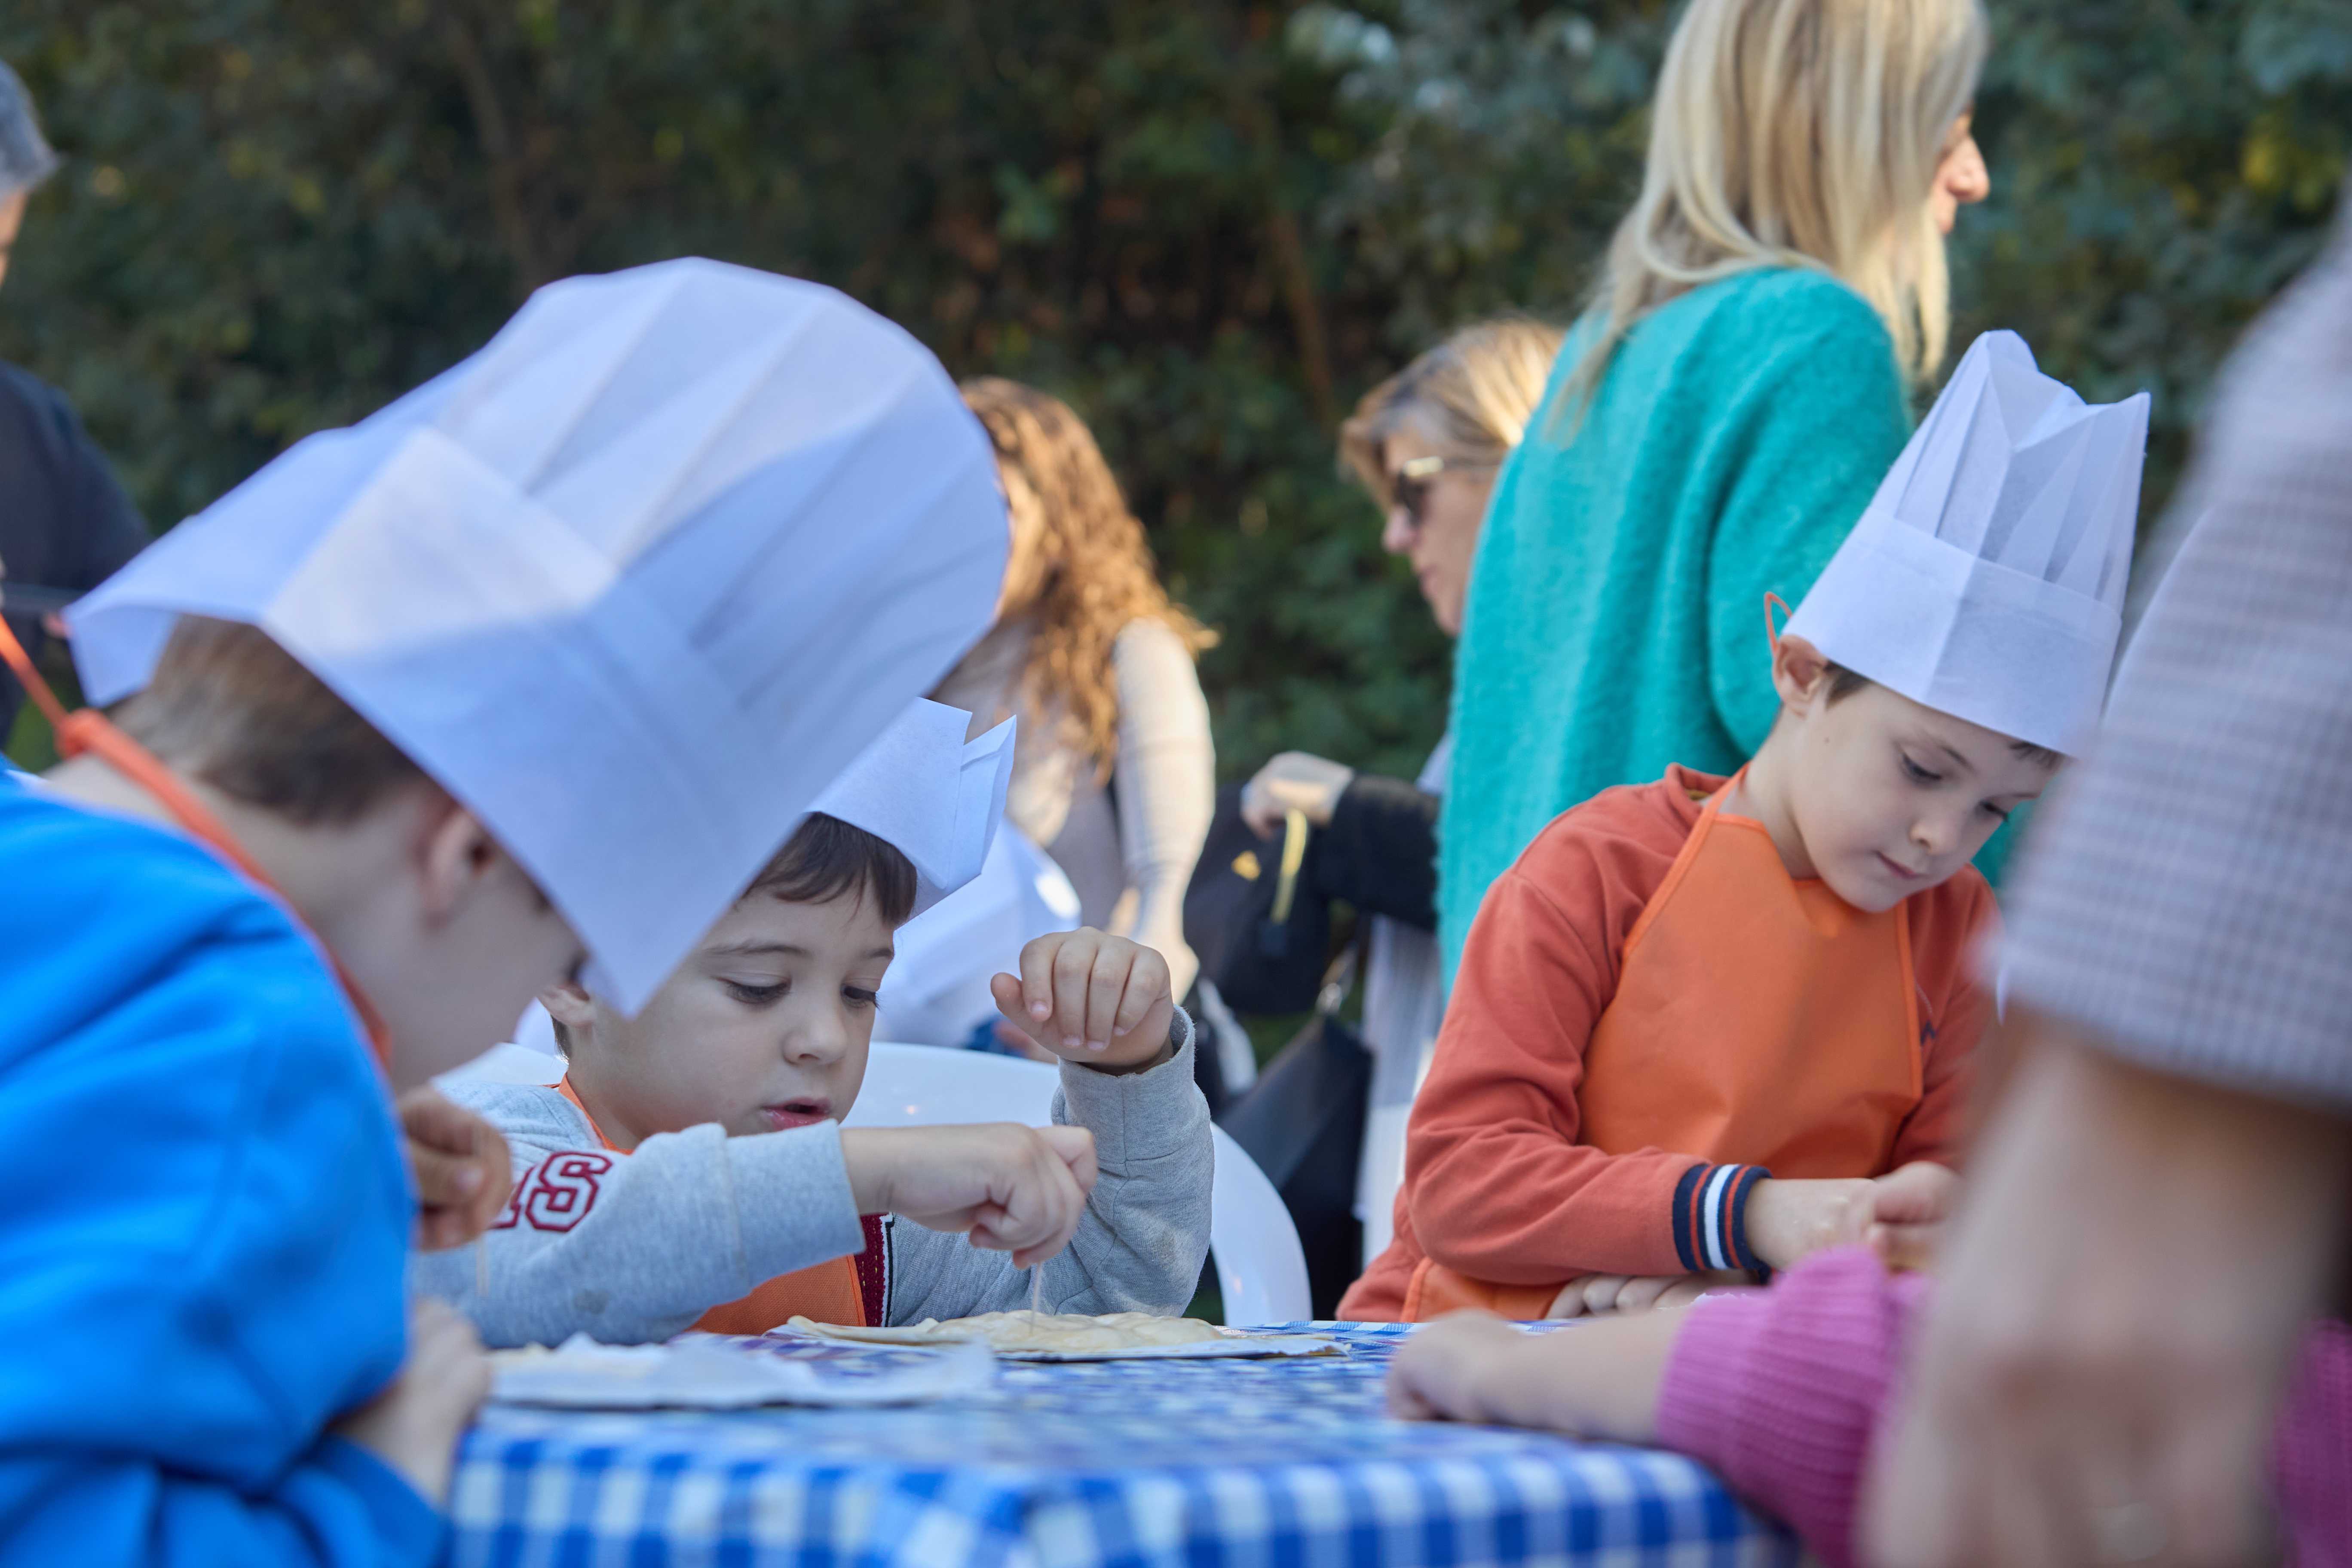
(1131, 862)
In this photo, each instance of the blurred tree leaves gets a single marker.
(1210, 226)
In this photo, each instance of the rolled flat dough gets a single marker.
(1062, 1332)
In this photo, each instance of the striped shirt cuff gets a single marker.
(1711, 1217)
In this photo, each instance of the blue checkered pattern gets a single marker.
(1164, 1464)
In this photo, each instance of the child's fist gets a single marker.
(1908, 1215)
(1787, 1222)
(1093, 998)
(460, 1165)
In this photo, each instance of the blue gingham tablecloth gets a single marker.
(1135, 1464)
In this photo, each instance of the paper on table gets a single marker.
(709, 1375)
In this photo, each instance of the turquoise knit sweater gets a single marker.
(1616, 613)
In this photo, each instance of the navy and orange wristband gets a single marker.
(1711, 1217)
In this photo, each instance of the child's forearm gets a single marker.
(1593, 1380)
(1519, 1206)
(634, 1248)
(1599, 1379)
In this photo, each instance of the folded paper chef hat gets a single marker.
(1986, 580)
(921, 787)
(634, 583)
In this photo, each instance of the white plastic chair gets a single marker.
(1260, 1269)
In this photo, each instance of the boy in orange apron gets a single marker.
(688, 1171)
(1707, 1026)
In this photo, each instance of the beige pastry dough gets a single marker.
(1054, 1331)
(1077, 1331)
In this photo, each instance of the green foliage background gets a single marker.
(1211, 226)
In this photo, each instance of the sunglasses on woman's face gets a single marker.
(1408, 485)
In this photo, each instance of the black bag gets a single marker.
(1303, 1123)
(1261, 931)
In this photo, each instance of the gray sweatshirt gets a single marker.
(634, 1248)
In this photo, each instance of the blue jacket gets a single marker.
(203, 1239)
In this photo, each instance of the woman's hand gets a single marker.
(461, 1166)
(1293, 781)
(2118, 1309)
(414, 1424)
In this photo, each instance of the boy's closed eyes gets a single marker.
(766, 1028)
(1877, 795)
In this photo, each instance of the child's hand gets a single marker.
(1605, 1295)
(1013, 1189)
(413, 1426)
(461, 1167)
(1448, 1370)
(1908, 1214)
(1787, 1222)
(1598, 1380)
(1092, 998)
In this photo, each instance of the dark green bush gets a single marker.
(1210, 226)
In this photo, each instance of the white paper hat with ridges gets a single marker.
(922, 787)
(1986, 580)
(634, 583)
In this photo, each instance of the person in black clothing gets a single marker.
(65, 521)
(1427, 444)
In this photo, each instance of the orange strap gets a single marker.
(1771, 632)
(91, 732)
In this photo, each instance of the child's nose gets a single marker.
(818, 1041)
(1936, 833)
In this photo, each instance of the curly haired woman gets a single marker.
(1114, 773)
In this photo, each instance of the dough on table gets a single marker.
(1022, 1331)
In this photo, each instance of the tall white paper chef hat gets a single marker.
(1986, 580)
(921, 787)
(634, 583)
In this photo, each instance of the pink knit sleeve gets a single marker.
(1777, 1390)
(1780, 1391)
(2312, 1453)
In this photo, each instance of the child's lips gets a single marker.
(795, 1113)
(1899, 869)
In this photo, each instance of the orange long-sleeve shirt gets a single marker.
(1497, 1184)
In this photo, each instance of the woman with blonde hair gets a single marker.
(1426, 445)
(1114, 773)
(1720, 416)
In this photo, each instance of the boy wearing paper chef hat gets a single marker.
(530, 670)
(1709, 1025)
(662, 1185)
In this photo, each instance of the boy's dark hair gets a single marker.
(825, 857)
(230, 707)
(1844, 683)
